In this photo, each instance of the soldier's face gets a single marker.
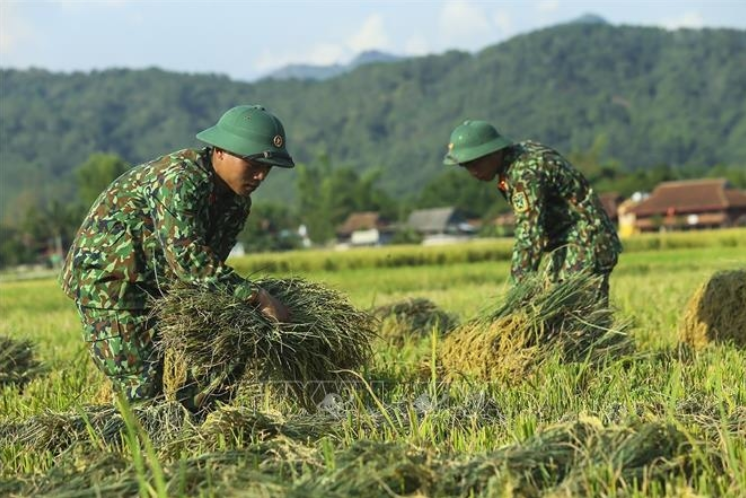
(240, 175)
(483, 169)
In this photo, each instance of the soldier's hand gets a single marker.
(271, 307)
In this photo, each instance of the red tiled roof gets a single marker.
(735, 197)
(361, 221)
(691, 196)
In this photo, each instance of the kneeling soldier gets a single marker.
(172, 219)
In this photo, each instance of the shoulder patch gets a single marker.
(520, 202)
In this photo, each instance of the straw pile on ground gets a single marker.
(557, 459)
(716, 312)
(17, 363)
(168, 425)
(212, 329)
(560, 457)
(564, 459)
(412, 319)
(95, 425)
(536, 321)
(242, 423)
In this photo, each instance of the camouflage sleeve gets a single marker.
(179, 214)
(233, 226)
(528, 199)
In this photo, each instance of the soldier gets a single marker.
(556, 210)
(172, 219)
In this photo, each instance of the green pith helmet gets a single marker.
(472, 140)
(252, 132)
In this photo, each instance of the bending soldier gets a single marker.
(556, 210)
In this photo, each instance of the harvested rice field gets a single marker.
(427, 378)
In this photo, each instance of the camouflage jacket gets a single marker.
(163, 221)
(555, 208)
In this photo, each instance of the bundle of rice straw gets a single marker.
(637, 454)
(559, 460)
(716, 312)
(373, 468)
(208, 329)
(56, 432)
(536, 320)
(237, 422)
(412, 318)
(17, 363)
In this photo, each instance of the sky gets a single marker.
(247, 39)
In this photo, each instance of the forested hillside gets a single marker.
(654, 97)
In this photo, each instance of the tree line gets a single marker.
(325, 196)
(657, 97)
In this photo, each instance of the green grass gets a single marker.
(381, 445)
(475, 251)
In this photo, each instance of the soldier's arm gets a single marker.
(528, 199)
(179, 211)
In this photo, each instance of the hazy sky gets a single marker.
(247, 39)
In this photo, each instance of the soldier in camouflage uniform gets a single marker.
(556, 210)
(172, 219)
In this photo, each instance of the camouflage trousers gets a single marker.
(573, 258)
(122, 345)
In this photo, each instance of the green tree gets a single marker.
(12, 249)
(455, 187)
(326, 196)
(49, 227)
(270, 227)
(94, 175)
(315, 199)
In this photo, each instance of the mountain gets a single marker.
(371, 57)
(306, 72)
(589, 19)
(651, 96)
(311, 72)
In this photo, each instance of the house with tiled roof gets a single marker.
(366, 228)
(445, 224)
(691, 204)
